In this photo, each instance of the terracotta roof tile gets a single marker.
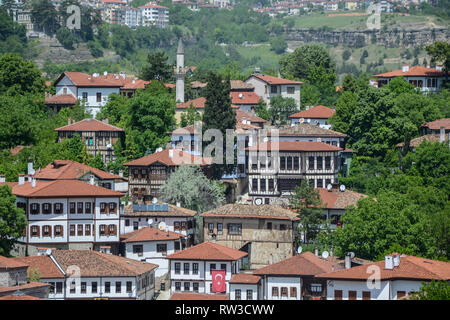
(62, 188)
(61, 99)
(410, 267)
(244, 98)
(307, 130)
(241, 85)
(24, 297)
(198, 103)
(319, 112)
(68, 169)
(274, 80)
(417, 141)
(265, 211)
(149, 234)
(29, 285)
(294, 146)
(86, 80)
(179, 158)
(415, 71)
(305, 264)
(437, 124)
(336, 199)
(10, 263)
(198, 296)
(47, 268)
(245, 278)
(174, 211)
(208, 251)
(243, 115)
(89, 124)
(94, 264)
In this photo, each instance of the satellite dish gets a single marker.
(325, 254)
(258, 201)
(299, 250)
(162, 226)
(329, 187)
(308, 120)
(302, 120)
(342, 188)
(150, 222)
(351, 254)
(154, 200)
(48, 251)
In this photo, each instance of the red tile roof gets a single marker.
(274, 80)
(149, 234)
(24, 297)
(135, 84)
(305, 264)
(237, 210)
(62, 188)
(410, 267)
(437, 124)
(306, 130)
(89, 124)
(68, 170)
(86, 80)
(244, 98)
(245, 278)
(61, 99)
(415, 71)
(294, 146)
(417, 141)
(179, 158)
(198, 296)
(317, 112)
(198, 103)
(47, 268)
(241, 85)
(95, 264)
(16, 150)
(208, 251)
(243, 115)
(29, 285)
(11, 263)
(336, 199)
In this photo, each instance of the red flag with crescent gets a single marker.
(218, 281)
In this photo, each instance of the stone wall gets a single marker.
(357, 39)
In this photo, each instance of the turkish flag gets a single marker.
(218, 281)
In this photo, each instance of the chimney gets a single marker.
(257, 70)
(69, 120)
(442, 134)
(33, 182)
(30, 170)
(105, 121)
(170, 153)
(121, 173)
(428, 66)
(29, 178)
(316, 251)
(178, 204)
(2, 178)
(439, 68)
(405, 68)
(396, 259)
(388, 262)
(348, 261)
(21, 179)
(91, 179)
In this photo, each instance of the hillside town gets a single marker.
(96, 234)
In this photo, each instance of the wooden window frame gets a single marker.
(72, 230)
(275, 292)
(72, 207)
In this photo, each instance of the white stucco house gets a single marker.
(267, 87)
(151, 245)
(245, 286)
(88, 274)
(191, 269)
(426, 79)
(317, 116)
(398, 276)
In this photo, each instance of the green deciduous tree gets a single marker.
(190, 116)
(434, 290)
(19, 76)
(306, 202)
(44, 14)
(12, 220)
(281, 108)
(440, 52)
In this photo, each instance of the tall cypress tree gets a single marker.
(219, 114)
